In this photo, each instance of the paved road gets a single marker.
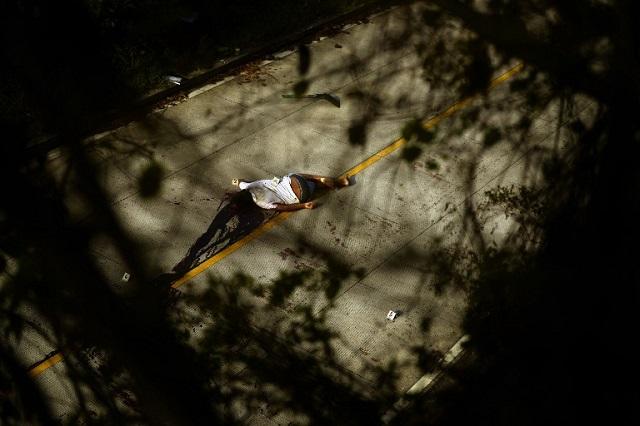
(388, 225)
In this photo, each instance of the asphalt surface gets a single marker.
(393, 218)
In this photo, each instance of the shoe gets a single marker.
(343, 181)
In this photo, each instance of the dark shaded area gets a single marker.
(550, 311)
(237, 218)
(550, 328)
(53, 272)
(136, 46)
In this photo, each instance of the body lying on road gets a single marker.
(290, 192)
(255, 203)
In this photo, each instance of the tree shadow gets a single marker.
(537, 323)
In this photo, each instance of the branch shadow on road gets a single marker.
(236, 217)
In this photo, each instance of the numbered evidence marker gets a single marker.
(126, 277)
(391, 316)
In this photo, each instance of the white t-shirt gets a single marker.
(267, 193)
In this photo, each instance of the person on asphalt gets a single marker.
(290, 192)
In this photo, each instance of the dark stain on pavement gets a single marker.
(298, 262)
(284, 254)
(332, 228)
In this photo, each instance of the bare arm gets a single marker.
(326, 181)
(294, 207)
(316, 178)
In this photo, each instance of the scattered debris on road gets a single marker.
(174, 79)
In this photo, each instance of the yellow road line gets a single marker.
(375, 158)
(427, 124)
(228, 250)
(431, 122)
(42, 366)
(506, 75)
